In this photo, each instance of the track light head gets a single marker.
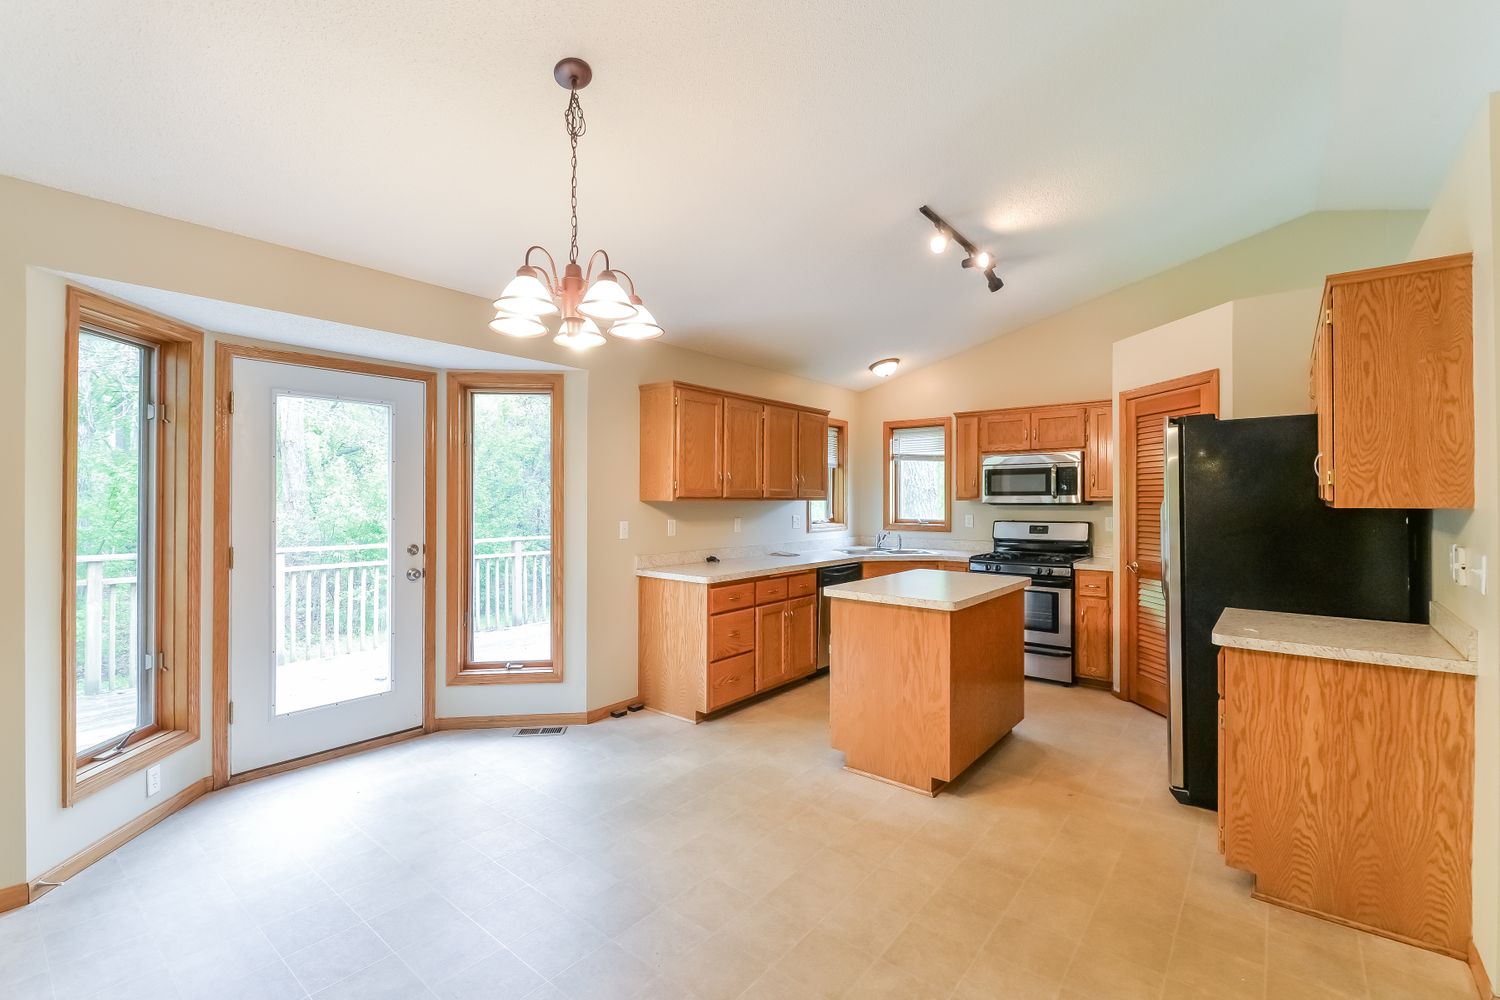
(980, 260)
(939, 242)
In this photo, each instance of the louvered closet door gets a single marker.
(1144, 606)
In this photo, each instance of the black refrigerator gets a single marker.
(1243, 527)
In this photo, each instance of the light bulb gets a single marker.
(517, 326)
(938, 243)
(606, 299)
(641, 326)
(983, 260)
(885, 367)
(579, 334)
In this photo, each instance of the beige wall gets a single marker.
(47, 230)
(1068, 357)
(1462, 219)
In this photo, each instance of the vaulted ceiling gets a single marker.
(756, 167)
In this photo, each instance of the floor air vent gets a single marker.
(542, 731)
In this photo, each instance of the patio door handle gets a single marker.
(414, 574)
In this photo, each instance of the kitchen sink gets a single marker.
(870, 550)
(908, 552)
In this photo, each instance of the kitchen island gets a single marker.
(926, 672)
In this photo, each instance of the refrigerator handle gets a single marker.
(1171, 578)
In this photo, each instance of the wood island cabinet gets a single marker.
(700, 443)
(1392, 385)
(1093, 657)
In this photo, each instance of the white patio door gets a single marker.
(325, 626)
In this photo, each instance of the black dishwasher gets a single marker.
(827, 577)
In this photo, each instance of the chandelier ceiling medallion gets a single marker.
(584, 300)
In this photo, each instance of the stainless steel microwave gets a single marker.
(1048, 477)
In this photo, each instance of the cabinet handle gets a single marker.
(1317, 472)
(734, 635)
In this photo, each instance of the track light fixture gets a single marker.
(982, 260)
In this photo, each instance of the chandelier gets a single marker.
(584, 300)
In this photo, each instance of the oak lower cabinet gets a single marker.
(1093, 654)
(1393, 386)
(704, 647)
(701, 443)
(1346, 789)
(885, 567)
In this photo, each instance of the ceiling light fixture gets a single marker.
(580, 298)
(976, 258)
(885, 367)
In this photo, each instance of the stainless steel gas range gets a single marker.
(1044, 551)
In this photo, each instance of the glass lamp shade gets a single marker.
(517, 326)
(885, 367)
(606, 299)
(526, 296)
(579, 334)
(641, 326)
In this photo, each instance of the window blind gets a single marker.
(918, 442)
(833, 446)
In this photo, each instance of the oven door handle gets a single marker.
(1048, 651)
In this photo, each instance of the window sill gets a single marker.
(830, 526)
(500, 675)
(80, 782)
(911, 526)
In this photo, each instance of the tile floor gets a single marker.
(646, 858)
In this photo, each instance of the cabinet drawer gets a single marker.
(731, 634)
(1093, 583)
(770, 590)
(730, 680)
(731, 597)
(802, 585)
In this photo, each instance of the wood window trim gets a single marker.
(461, 386)
(177, 543)
(838, 493)
(946, 423)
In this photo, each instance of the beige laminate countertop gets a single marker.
(1104, 564)
(1391, 644)
(931, 589)
(749, 567)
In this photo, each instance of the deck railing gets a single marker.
(330, 600)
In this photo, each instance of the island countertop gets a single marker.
(932, 589)
(1391, 644)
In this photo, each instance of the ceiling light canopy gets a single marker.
(886, 367)
(579, 297)
(976, 258)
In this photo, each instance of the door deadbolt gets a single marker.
(413, 549)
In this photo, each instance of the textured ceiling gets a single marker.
(756, 167)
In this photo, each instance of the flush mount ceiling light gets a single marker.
(583, 300)
(982, 260)
(886, 367)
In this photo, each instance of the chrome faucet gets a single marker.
(880, 537)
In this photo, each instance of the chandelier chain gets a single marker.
(573, 119)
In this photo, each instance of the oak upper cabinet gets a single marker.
(1005, 430)
(742, 448)
(1059, 428)
(812, 455)
(966, 460)
(1099, 453)
(781, 453)
(1092, 627)
(1393, 386)
(698, 442)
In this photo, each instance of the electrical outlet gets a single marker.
(671, 527)
(796, 521)
(1458, 565)
(624, 529)
(737, 523)
(1109, 523)
(153, 780)
(968, 520)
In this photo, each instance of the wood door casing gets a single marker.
(812, 455)
(1143, 619)
(700, 444)
(742, 447)
(780, 450)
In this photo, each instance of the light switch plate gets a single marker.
(624, 529)
(796, 521)
(671, 527)
(153, 780)
(737, 522)
(1109, 523)
(968, 520)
